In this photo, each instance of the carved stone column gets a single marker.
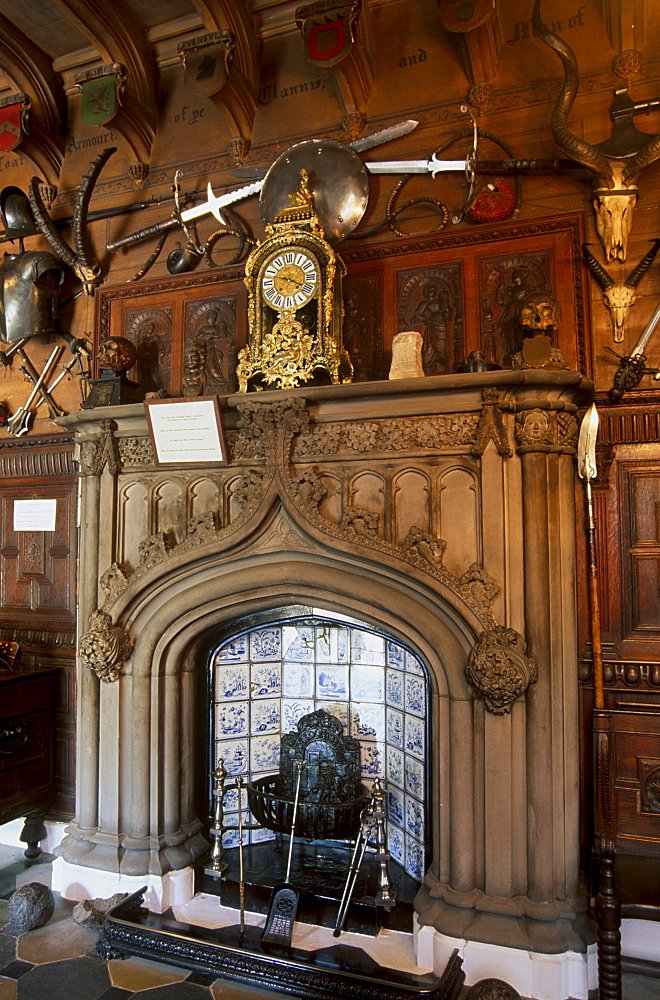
(546, 437)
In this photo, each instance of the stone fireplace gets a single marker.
(431, 521)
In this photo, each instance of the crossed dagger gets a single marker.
(18, 424)
(433, 166)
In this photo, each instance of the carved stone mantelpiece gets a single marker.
(424, 506)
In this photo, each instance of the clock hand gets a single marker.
(211, 206)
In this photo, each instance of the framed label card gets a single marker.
(35, 515)
(186, 431)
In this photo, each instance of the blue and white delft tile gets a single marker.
(230, 804)
(396, 655)
(394, 728)
(232, 719)
(231, 682)
(371, 757)
(331, 644)
(414, 771)
(265, 717)
(235, 651)
(293, 711)
(265, 680)
(230, 837)
(395, 807)
(235, 755)
(338, 709)
(395, 767)
(265, 644)
(415, 741)
(394, 687)
(332, 682)
(414, 817)
(395, 843)
(261, 836)
(298, 643)
(367, 648)
(265, 753)
(415, 695)
(368, 722)
(413, 666)
(415, 864)
(298, 680)
(367, 683)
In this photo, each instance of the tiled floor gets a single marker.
(58, 961)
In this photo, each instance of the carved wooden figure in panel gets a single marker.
(430, 300)
(209, 364)
(363, 326)
(504, 282)
(151, 332)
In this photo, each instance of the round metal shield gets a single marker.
(338, 180)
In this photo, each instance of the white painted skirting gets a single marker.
(76, 883)
(544, 977)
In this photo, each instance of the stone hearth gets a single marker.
(439, 512)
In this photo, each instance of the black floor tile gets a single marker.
(201, 978)
(16, 969)
(7, 949)
(115, 993)
(73, 979)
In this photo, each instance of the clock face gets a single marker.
(290, 280)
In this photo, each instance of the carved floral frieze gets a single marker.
(451, 431)
(499, 669)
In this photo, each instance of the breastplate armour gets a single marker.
(30, 283)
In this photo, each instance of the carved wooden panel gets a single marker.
(636, 781)
(38, 582)
(187, 329)
(430, 300)
(458, 289)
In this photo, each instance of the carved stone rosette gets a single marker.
(499, 669)
(104, 647)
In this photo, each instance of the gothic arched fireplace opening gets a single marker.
(266, 675)
(430, 515)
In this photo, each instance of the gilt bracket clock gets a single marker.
(295, 311)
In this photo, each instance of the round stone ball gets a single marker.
(30, 906)
(492, 989)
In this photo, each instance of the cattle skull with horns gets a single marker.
(619, 296)
(615, 172)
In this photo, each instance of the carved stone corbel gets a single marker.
(491, 426)
(547, 431)
(499, 669)
(104, 647)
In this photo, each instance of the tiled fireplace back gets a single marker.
(266, 679)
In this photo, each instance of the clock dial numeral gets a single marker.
(307, 289)
(270, 294)
(288, 257)
(278, 301)
(268, 282)
(300, 298)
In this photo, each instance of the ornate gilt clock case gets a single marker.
(295, 310)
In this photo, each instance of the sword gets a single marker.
(214, 204)
(18, 424)
(211, 206)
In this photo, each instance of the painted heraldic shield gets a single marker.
(99, 99)
(328, 29)
(11, 126)
(207, 63)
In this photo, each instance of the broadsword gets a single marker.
(214, 203)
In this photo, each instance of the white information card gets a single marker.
(187, 431)
(35, 515)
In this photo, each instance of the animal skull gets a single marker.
(614, 216)
(619, 296)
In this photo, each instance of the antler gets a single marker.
(569, 143)
(80, 235)
(642, 267)
(82, 261)
(600, 274)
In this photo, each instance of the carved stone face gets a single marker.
(539, 312)
(118, 354)
(614, 216)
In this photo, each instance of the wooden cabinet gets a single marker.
(27, 750)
